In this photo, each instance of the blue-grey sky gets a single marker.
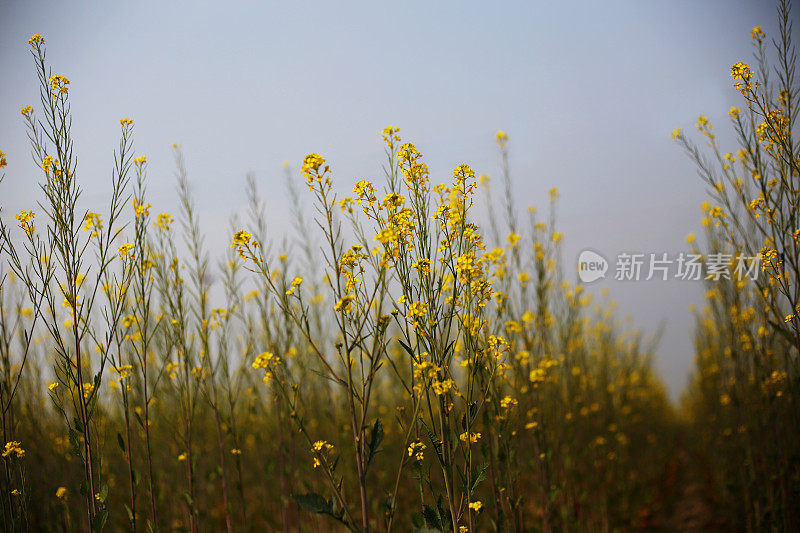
(588, 93)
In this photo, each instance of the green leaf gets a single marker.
(139, 419)
(431, 516)
(99, 521)
(406, 348)
(376, 437)
(120, 442)
(478, 475)
(444, 514)
(317, 503)
(75, 442)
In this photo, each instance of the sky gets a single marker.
(588, 93)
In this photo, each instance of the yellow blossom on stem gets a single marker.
(163, 221)
(25, 219)
(14, 448)
(415, 449)
(125, 249)
(471, 437)
(140, 209)
(59, 85)
(501, 138)
(36, 40)
(295, 283)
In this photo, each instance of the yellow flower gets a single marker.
(442, 387)
(58, 85)
(501, 138)
(741, 71)
(140, 209)
(62, 493)
(125, 249)
(734, 112)
(423, 266)
(320, 449)
(417, 309)
(345, 303)
(508, 402)
(295, 283)
(47, 163)
(390, 134)
(3, 160)
(141, 160)
(676, 133)
(472, 437)
(124, 371)
(25, 219)
(182, 457)
(163, 221)
(415, 449)
(124, 122)
(92, 222)
(26, 111)
(236, 451)
(53, 386)
(36, 40)
(14, 447)
(241, 239)
(264, 359)
(476, 506)
(462, 172)
(311, 169)
(757, 33)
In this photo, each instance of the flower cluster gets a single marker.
(14, 448)
(59, 85)
(25, 219)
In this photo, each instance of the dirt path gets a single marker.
(684, 500)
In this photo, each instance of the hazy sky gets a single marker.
(588, 93)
